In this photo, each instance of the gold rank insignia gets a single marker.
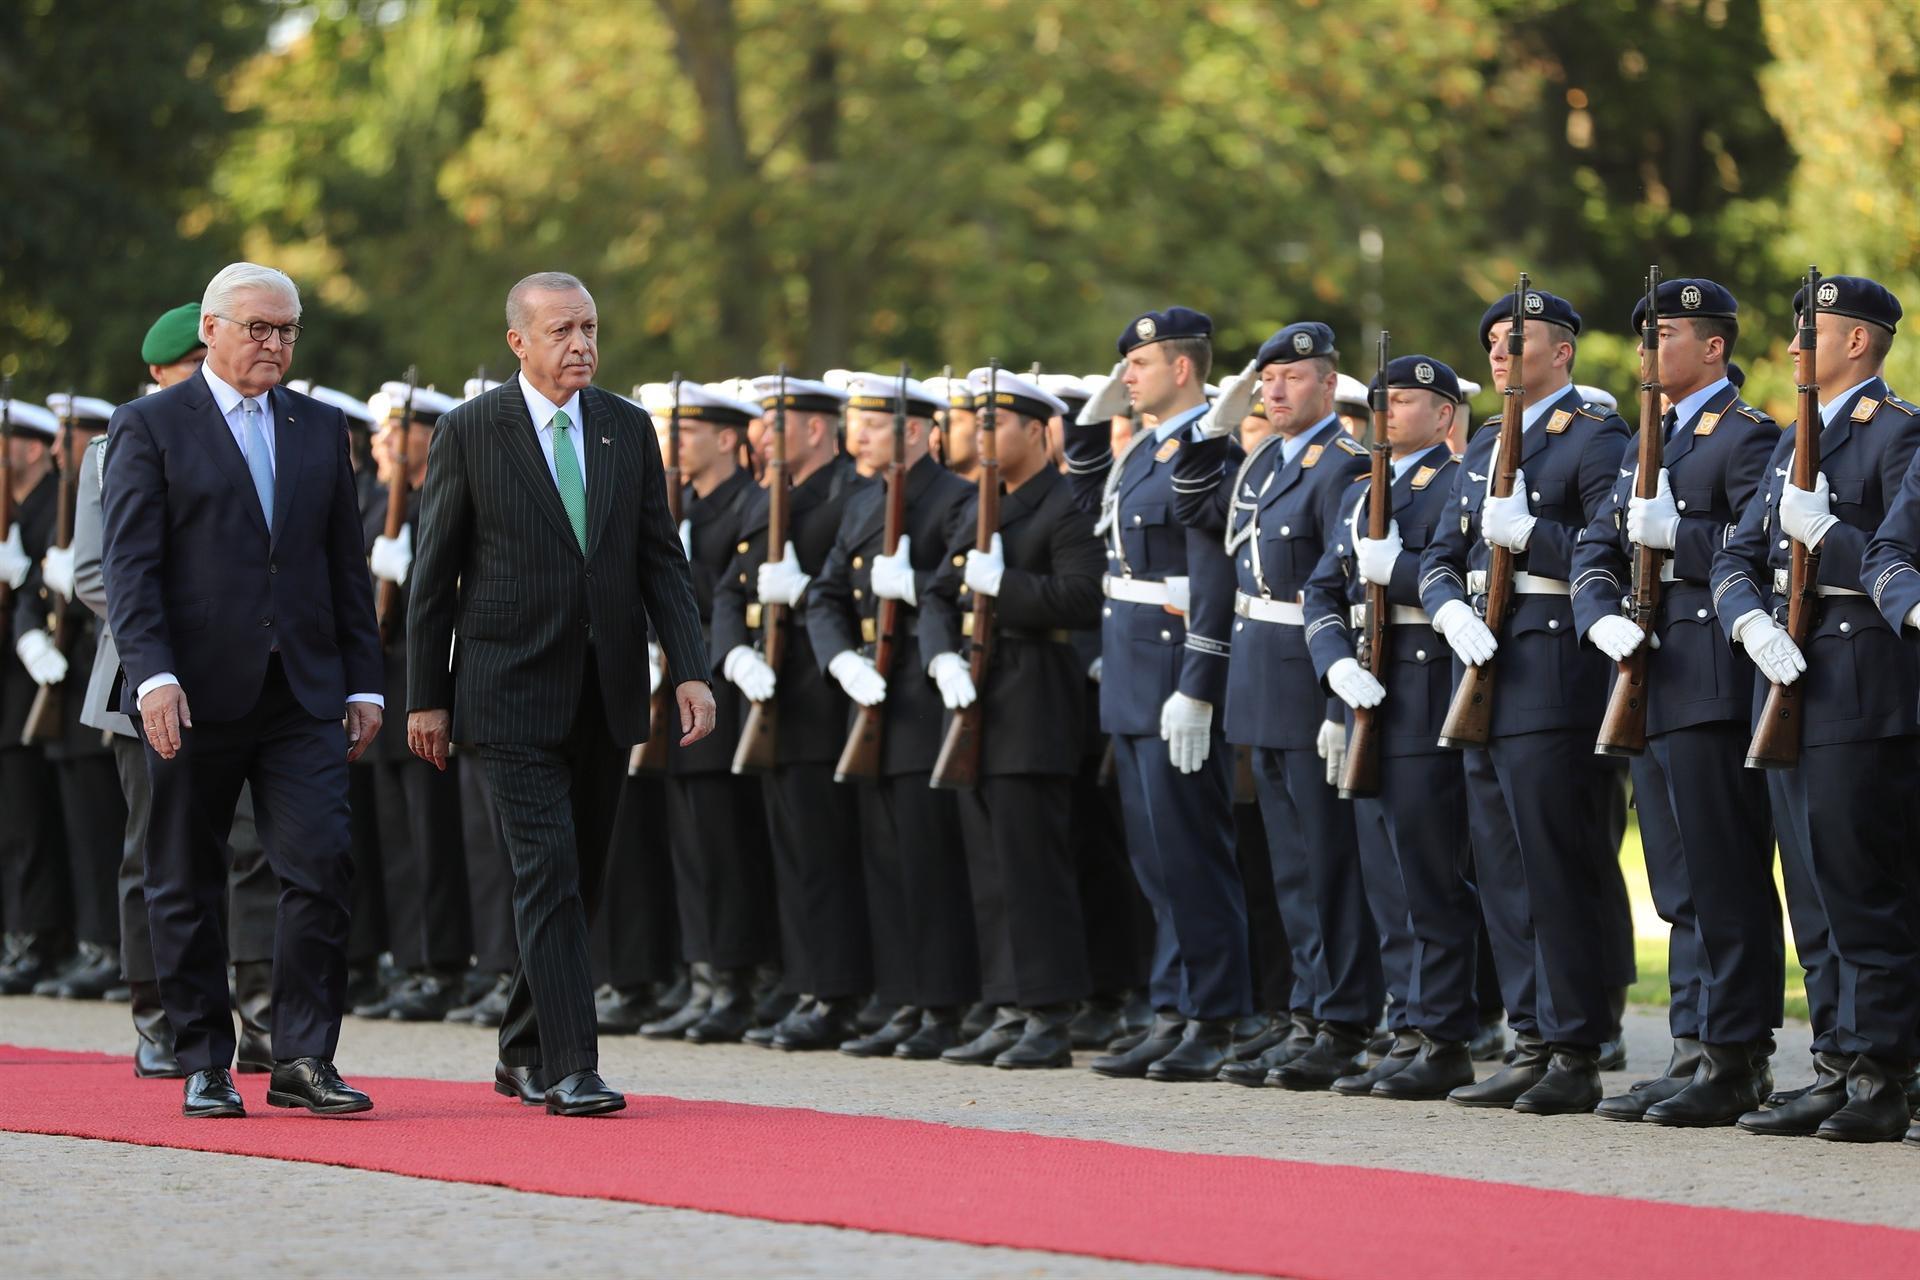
(1424, 477)
(1466, 523)
(1559, 421)
(1704, 427)
(1312, 455)
(1864, 410)
(1167, 450)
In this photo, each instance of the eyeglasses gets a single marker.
(258, 330)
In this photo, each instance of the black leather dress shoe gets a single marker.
(1876, 1109)
(1339, 1050)
(1266, 1031)
(874, 1014)
(1526, 1066)
(1728, 1083)
(979, 1016)
(1301, 1030)
(210, 1095)
(691, 1010)
(1437, 1070)
(1641, 1094)
(1913, 1136)
(1000, 1035)
(1198, 1057)
(1803, 1115)
(1161, 1039)
(428, 998)
(1400, 1054)
(729, 1013)
(518, 1082)
(32, 959)
(939, 1031)
(1571, 1086)
(89, 975)
(817, 1024)
(312, 1083)
(1098, 1022)
(153, 1052)
(1046, 1041)
(382, 1002)
(1827, 1067)
(1612, 1055)
(1489, 1043)
(583, 1093)
(253, 1001)
(491, 1009)
(882, 1042)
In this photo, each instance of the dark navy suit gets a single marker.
(268, 627)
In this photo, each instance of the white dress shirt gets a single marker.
(542, 410)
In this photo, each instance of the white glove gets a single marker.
(14, 564)
(56, 570)
(1654, 522)
(1108, 403)
(1468, 637)
(749, 673)
(392, 557)
(1773, 651)
(1508, 522)
(46, 664)
(1913, 620)
(950, 672)
(1376, 557)
(1615, 636)
(859, 677)
(656, 668)
(781, 581)
(1234, 403)
(986, 568)
(1093, 668)
(1354, 685)
(686, 538)
(1332, 746)
(1805, 516)
(1186, 726)
(893, 575)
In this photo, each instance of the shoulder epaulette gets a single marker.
(1458, 457)
(1904, 406)
(1351, 445)
(1494, 421)
(1746, 410)
(1595, 410)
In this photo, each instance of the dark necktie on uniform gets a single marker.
(566, 474)
(1669, 423)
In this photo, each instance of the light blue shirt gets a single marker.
(1830, 409)
(1538, 409)
(1179, 422)
(229, 402)
(1684, 411)
(1402, 465)
(542, 410)
(1293, 446)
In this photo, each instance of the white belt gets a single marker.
(1524, 584)
(1399, 615)
(1136, 590)
(1261, 609)
(1782, 583)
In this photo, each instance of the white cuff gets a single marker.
(151, 683)
(373, 698)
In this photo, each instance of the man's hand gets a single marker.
(1354, 685)
(1331, 744)
(858, 676)
(1615, 636)
(1655, 522)
(393, 557)
(15, 563)
(696, 710)
(781, 581)
(955, 682)
(1108, 403)
(164, 717)
(56, 570)
(893, 574)
(429, 735)
(749, 673)
(1507, 522)
(1186, 726)
(1377, 557)
(1773, 651)
(1469, 638)
(1805, 514)
(363, 726)
(41, 657)
(1234, 403)
(985, 569)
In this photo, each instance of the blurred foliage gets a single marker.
(853, 182)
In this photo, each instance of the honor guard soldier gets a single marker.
(1412, 835)
(1164, 638)
(918, 901)
(1846, 839)
(1042, 574)
(1277, 510)
(813, 824)
(1538, 799)
(1704, 821)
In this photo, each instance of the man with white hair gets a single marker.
(238, 592)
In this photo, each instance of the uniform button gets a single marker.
(1783, 544)
(267, 621)
(856, 593)
(1627, 601)
(742, 548)
(959, 562)
(1553, 624)
(1246, 564)
(273, 568)
(743, 579)
(858, 561)
(1536, 495)
(1419, 655)
(1699, 613)
(1107, 612)
(1136, 518)
(1239, 626)
(1286, 531)
(1846, 626)
(1680, 504)
(1463, 502)
(1166, 635)
(1340, 548)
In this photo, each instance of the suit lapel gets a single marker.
(1288, 473)
(288, 458)
(215, 437)
(599, 436)
(1841, 431)
(1569, 402)
(1682, 443)
(514, 427)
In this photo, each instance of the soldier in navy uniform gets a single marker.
(1539, 802)
(1704, 821)
(1846, 842)
(1277, 510)
(814, 825)
(1043, 570)
(1413, 834)
(1164, 641)
(918, 900)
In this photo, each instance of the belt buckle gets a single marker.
(1782, 581)
(966, 624)
(870, 630)
(753, 615)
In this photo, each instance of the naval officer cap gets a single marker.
(1540, 305)
(1853, 296)
(30, 419)
(82, 408)
(1701, 299)
(697, 403)
(1301, 340)
(1423, 373)
(175, 334)
(479, 387)
(1159, 326)
(1015, 394)
(1350, 391)
(1597, 395)
(354, 407)
(952, 392)
(804, 395)
(880, 392)
(390, 401)
(1071, 389)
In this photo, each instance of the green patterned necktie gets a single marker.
(566, 467)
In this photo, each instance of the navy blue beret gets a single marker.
(1854, 296)
(1301, 340)
(1158, 326)
(1540, 305)
(1689, 297)
(1423, 373)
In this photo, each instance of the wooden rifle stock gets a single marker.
(397, 489)
(1360, 774)
(1777, 737)
(1624, 730)
(662, 726)
(958, 764)
(758, 750)
(1469, 721)
(48, 711)
(860, 758)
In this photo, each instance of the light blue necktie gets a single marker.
(259, 461)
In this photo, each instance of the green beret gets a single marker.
(173, 335)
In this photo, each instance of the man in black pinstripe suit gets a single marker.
(545, 550)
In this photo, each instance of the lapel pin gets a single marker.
(606, 439)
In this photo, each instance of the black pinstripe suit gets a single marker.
(548, 678)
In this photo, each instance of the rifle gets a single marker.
(760, 735)
(1361, 776)
(1469, 720)
(1624, 731)
(397, 488)
(6, 474)
(959, 762)
(651, 755)
(45, 716)
(860, 758)
(1776, 736)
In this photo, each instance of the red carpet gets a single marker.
(1279, 1217)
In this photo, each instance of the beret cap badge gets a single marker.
(1535, 304)
(1829, 294)
(1144, 327)
(1423, 373)
(1303, 342)
(1690, 297)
